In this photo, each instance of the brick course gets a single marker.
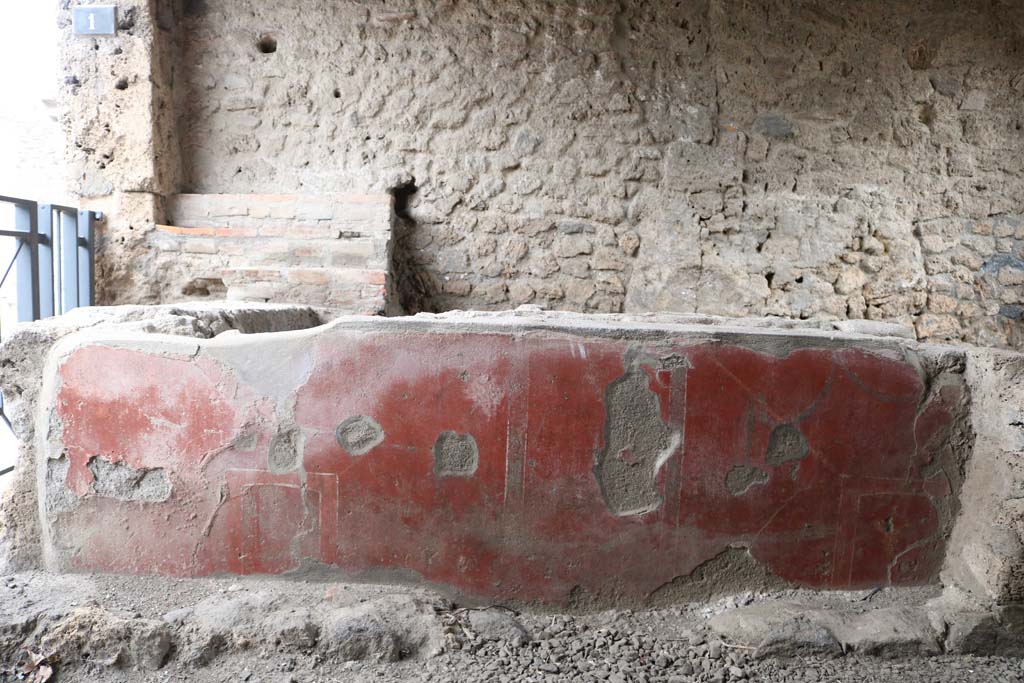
(325, 250)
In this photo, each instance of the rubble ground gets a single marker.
(110, 627)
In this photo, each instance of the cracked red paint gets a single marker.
(862, 499)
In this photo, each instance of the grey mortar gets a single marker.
(741, 478)
(117, 480)
(455, 455)
(786, 444)
(283, 455)
(359, 434)
(634, 429)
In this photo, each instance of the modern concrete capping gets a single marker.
(534, 457)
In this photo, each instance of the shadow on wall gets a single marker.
(413, 288)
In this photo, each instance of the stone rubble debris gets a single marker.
(273, 630)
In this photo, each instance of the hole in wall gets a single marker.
(412, 288)
(267, 44)
(403, 194)
(337, 93)
(122, 84)
(204, 287)
(195, 8)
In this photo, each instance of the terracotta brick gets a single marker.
(253, 275)
(186, 208)
(199, 246)
(313, 209)
(214, 231)
(227, 204)
(308, 276)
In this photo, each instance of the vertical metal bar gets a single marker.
(44, 261)
(27, 266)
(86, 221)
(69, 277)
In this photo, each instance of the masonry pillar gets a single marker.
(118, 116)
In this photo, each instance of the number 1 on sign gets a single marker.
(92, 21)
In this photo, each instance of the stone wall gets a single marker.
(119, 124)
(813, 160)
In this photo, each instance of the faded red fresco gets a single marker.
(829, 465)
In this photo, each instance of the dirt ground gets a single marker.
(280, 630)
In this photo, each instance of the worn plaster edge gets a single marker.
(985, 548)
(46, 439)
(979, 609)
(787, 335)
(762, 338)
(778, 342)
(19, 546)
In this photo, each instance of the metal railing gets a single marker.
(51, 235)
(53, 262)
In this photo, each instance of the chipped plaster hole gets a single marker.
(337, 93)
(122, 84)
(636, 445)
(741, 478)
(732, 571)
(267, 44)
(412, 289)
(786, 444)
(284, 451)
(120, 481)
(59, 497)
(455, 455)
(359, 434)
(205, 286)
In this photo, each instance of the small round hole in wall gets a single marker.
(337, 93)
(267, 44)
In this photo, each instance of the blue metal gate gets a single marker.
(53, 262)
(54, 257)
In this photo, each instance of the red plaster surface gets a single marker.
(865, 506)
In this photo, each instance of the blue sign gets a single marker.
(94, 20)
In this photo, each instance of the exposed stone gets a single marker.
(385, 630)
(775, 630)
(779, 629)
(496, 624)
(93, 634)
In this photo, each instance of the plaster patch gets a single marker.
(455, 455)
(786, 444)
(359, 434)
(741, 478)
(636, 444)
(284, 451)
